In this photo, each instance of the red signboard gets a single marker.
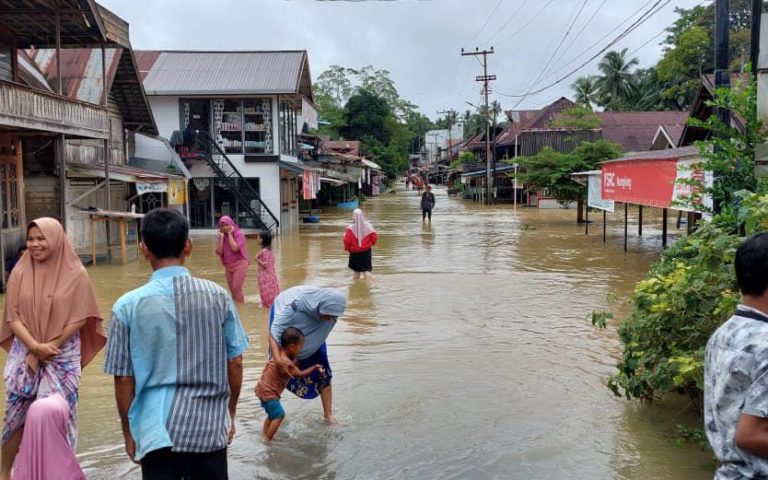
(641, 182)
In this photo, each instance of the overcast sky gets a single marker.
(418, 41)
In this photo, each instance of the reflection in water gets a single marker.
(468, 356)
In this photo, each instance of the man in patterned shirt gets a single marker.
(736, 373)
(175, 348)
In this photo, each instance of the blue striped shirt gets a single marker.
(174, 335)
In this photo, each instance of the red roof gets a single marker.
(635, 131)
(533, 119)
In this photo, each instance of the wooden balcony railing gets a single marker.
(28, 108)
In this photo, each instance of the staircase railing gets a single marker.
(227, 173)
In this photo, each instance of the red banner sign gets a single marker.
(641, 182)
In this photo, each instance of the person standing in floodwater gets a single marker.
(52, 329)
(427, 204)
(175, 350)
(359, 238)
(269, 286)
(233, 252)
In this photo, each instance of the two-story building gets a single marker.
(235, 117)
(71, 104)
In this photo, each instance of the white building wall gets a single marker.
(166, 113)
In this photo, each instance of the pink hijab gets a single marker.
(227, 255)
(360, 227)
(45, 453)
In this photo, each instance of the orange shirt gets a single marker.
(272, 382)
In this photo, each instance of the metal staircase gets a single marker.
(230, 178)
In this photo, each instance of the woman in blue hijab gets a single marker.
(314, 311)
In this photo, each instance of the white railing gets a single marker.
(25, 107)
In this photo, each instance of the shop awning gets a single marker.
(499, 169)
(295, 167)
(332, 181)
(120, 173)
(371, 165)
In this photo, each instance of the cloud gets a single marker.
(418, 41)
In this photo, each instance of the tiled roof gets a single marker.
(635, 131)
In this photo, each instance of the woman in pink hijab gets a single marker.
(45, 453)
(52, 329)
(358, 240)
(232, 250)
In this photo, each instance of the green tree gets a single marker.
(586, 91)
(366, 117)
(647, 95)
(578, 118)
(681, 67)
(551, 170)
(335, 84)
(616, 82)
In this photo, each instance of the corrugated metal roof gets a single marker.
(669, 154)
(222, 73)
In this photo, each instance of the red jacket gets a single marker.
(350, 242)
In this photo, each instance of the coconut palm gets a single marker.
(586, 91)
(617, 82)
(495, 110)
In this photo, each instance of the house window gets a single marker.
(288, 130)
(10, 185)
(243, 126)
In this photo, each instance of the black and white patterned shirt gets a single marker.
(736, 382)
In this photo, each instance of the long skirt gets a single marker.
(361, 261)
(309, 387)
(23, 386)
(236, 273)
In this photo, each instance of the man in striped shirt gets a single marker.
(175, 349)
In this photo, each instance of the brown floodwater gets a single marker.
(469, 355)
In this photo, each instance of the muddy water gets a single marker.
(468, 356)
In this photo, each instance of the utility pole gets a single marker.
(722, 75)
(754, 44)
(485, 78)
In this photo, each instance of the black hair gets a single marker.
(752, 265)
(266, 239)
(22, 249)
(291, 336)
(165, 233)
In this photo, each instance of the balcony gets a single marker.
(27, 108)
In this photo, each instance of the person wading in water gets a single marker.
(427, 204)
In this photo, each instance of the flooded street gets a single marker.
(470, 355)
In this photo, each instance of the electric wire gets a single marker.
(485, 24)
(658, 6)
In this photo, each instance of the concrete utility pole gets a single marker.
(485, 78)
(722, 74)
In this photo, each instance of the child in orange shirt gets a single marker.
(273, 381)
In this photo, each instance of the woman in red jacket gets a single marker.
(358, 240)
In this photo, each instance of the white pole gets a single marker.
(514, 196)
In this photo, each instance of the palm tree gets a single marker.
(586, 91)
(617, 82)
(495, 110)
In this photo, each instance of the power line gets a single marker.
(644, 18)
(527, 23)
(583, 28)
(506, 22)
(485, 24)
(601, 39)
(562, 41)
